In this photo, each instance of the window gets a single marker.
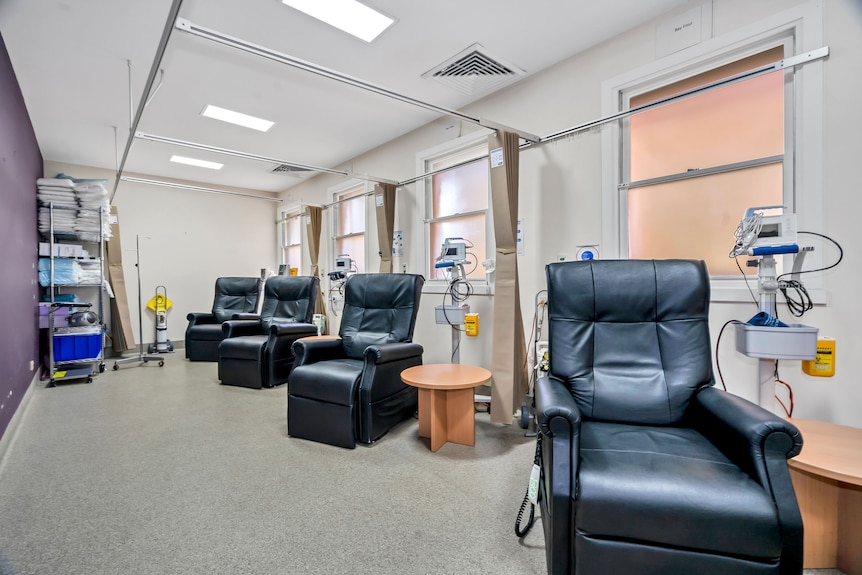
(687, 201)
(290, 239)
(456, 202)
(712, 154)
(349, 224)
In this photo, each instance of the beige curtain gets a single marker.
(384, 200)
(509, 349)
(122, 334)
(313, 231)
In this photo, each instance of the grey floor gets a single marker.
(161, 470)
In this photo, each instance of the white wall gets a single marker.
(561, 202)
(192, 239)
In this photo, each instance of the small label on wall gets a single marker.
(398, 244)
(679, 31)
(519, 237)
(496, 157)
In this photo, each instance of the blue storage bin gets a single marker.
(75, 346)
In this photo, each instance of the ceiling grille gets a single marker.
(291, 170)
(473, 63)
(473, 71)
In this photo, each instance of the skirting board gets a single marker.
(12, 429)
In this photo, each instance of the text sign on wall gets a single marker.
(678, 32)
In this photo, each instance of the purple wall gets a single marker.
(20, 165)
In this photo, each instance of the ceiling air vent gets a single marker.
(291, 170)
(473, 71)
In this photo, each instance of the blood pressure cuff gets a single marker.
(765, 319)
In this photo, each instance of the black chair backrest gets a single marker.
(630, 338)
(289, 299)
(235, 295)
(379, 308)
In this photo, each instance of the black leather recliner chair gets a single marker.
(647, 468)
(346, 390)
(258, 353)
(204, 333)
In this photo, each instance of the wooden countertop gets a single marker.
(445, 376)
(829, 450)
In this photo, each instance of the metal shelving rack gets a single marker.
(83, 368)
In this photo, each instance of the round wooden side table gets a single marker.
(446, 409)
(827, 478)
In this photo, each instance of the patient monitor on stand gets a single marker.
(766, 236)
(453, 256)
(453, 252)
(343, 266)
(337, 278)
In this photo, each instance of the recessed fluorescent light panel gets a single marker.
(196, 162)
(237, 118)
(348, 15)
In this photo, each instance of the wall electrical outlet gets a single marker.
(32, 364)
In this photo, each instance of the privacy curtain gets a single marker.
(313, 231)
(122, 334)
(384, 200)
(509, 349)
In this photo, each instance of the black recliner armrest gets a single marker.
(760, 443)
(387, 352)
(381, 373)
(246, 316)
(240, 327)
(745, 432)
(313, 350)
(201, 318)
(556, 408)
(301, 329)
(559, 422)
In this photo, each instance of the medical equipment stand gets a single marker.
(767, 287)
(457, 275)
(141, 357)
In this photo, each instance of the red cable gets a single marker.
(789, 412)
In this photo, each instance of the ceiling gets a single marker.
(72, 60)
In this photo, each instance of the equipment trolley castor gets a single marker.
(525, 417)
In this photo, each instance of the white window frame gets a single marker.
(803, 136)
(334, 193)
(282, 234)
(424, 188)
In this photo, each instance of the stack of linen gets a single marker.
(67, 272)
(77, 204)
(61, 194)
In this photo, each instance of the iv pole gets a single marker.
(141, 357)
(457, 274)
(767, 286)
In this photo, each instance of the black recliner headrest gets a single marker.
(235, 295)
(289, 299)
(378, 309)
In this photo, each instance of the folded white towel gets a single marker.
(91, 187)
(59, 182)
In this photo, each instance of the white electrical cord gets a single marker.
(745, 234)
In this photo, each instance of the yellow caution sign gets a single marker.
(823, 364)
(471, 324)
(160, 302)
